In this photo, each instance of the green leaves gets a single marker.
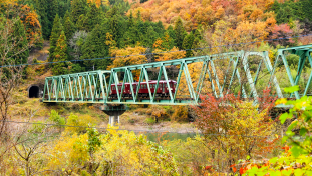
(291, 89)
(303, 131)
(285, 116)
(296, 151)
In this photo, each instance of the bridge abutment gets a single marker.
(113, 111)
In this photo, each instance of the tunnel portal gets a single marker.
(33, 92)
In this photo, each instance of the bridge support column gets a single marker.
(113, 111)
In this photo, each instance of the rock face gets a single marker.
(35, 91)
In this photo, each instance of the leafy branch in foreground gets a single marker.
(296, 159)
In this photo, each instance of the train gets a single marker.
(162, 91)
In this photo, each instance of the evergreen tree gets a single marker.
(81, 26)
(168, 42)
(188, 43)
(95, 47)
(180, 33)
(197, 38)
(51, 11)
(41, 7)
(67, 15)
(130, 22)
(117, 28)
(150, 37)
(55, 34)
(171, 32)
(20, 35)
(132, 34)
(92, 17)
(78, 7)
(64, 6)
(305, 7)
(138, 16)
(159, 28)
(60, 54)
(288, 10)
(275, 6)
(197, 34)
(69, 28)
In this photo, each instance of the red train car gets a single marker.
(162, 91)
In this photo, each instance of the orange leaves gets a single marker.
(233, 168)
(219, 13)
(194, 12)
(158, 44)
(31, 22)
(28, 17)
(286, 148)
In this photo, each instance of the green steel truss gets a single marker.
(95, 86)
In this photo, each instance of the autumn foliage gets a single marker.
(235, 127)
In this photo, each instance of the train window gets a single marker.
(113, 87)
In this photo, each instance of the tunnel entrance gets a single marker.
(33, 92)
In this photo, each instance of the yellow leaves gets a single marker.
(220, 12)
(256, 14)
(98, 3)
(173, 54)
(281, 101)
(8, 2)
(158, 44)
(132, 54)
(109, 41)
(69, 152)
(133, 152)
(74, 120)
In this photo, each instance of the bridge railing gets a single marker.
(218, 74)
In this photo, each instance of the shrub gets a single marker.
(180, 113)
(296, 158)
(79, 123)
(57, 119)
(37, 128)
(149, 121)
(236, 128)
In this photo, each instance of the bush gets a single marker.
(296, 158)
(180, 113)
(37, 128)
(82, 121)
(149, 121)
(57, 119)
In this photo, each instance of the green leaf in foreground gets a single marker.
(291, 89)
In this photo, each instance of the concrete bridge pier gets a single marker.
(113, 111)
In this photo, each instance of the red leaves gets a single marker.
(208, 167)
(212, 112)
(286, 148)
(233, 168)
(282, 31)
